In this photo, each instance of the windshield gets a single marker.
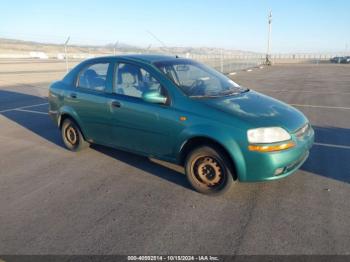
(198, 80)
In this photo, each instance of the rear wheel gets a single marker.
(208, 170)
(72, 136)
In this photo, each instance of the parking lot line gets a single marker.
(31, 111)
(22, 107)
(332, 145)
(305, 91)
(318, 106)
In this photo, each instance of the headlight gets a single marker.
(267, 135)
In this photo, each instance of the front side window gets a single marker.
(134, 81)
(198, 80)
(94, 77)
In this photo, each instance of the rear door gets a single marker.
(90, 99)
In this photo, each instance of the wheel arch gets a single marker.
(64, 115)
(197, 141)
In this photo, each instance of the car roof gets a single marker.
(145, 58)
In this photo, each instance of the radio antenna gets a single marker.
(156, 38)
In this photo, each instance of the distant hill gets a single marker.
(20, 48)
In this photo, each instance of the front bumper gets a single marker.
(262, 166)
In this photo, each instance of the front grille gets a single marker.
(302, 131)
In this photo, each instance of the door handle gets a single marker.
(115, 104)
(73, 95)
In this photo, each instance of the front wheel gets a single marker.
(72, 136)
(207, 170)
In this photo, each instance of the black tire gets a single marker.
(208, 170)
(72, 136)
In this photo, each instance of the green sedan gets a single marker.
(183, 112)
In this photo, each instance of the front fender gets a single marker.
(225, 138)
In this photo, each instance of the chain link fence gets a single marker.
(230, 63)
(314, 58)
(224, 62)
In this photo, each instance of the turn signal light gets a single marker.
(271, 148)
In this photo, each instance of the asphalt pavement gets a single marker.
(105, 201)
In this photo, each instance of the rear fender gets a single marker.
(69, 111)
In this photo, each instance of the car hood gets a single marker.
(259, 110)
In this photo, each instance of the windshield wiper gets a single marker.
(203, 96)
(230, 92)
(234, 92)
(225, 93)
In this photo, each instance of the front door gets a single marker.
(140, 126)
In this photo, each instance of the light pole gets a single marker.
(268, 61)
(148, 48)
(221, 61)
(115, 47)
(65, 52)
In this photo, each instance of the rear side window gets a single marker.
(94, 77)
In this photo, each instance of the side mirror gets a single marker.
(154, 97)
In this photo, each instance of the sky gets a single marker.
(297, 26)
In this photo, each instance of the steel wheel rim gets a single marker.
(71, 135)
(208, 171)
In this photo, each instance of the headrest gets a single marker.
(90, 73)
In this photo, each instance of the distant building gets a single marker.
(60, 56)
(40, 55)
